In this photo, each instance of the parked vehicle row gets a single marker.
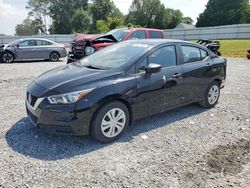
(103, 93)
(84, 45)
(32, 49)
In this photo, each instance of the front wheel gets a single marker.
(8, 57)
(110, 121)
(211, 96)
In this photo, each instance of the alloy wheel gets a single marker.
(8, 58)
(54, 57)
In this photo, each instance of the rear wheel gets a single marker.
(54, 56)
(211, 96)
(8, 57)
(110, 121)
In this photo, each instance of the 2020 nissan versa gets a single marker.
(103, 93)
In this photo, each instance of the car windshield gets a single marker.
(114, 56)
(15, 42)
(119, 34)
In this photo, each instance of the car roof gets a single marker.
(140, 28)
(147, 29)
(37, 39)
(158, 41)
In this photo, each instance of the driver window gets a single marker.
(165, 56)
(27, 43)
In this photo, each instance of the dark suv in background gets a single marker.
(84, 45)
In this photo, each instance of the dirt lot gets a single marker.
(186, 147)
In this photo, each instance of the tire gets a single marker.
(103, 129)
(54, 56)
(8, 57)
(211, 95)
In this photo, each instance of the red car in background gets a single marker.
(248, 55)
(84, 45)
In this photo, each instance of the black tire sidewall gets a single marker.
(95, 129)
(207, 104)
(9, 54)
(50, 56)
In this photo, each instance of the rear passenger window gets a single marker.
(191, 54)
(155, 34)
(42, 43)
(138, 35)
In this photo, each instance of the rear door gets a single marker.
(159, 91)
(197, 71)
(42, 49)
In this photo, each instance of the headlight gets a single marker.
(69, 98)
(89, 50)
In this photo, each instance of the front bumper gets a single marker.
(59, 119)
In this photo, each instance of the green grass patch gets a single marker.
(234, 48)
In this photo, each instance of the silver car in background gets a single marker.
(32, 49)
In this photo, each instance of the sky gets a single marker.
(13, 12)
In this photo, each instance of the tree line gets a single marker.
(100, 16)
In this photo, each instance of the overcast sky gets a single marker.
(13, 12)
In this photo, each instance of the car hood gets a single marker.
(65, 78)
(83, 37)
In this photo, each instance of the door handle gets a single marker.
(208, 64)
(176, 75)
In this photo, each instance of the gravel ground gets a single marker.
(186, 147)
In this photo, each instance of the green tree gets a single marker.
(81, 21)
(151, 13)
(27, 27)
(100, 9)
(39, 11)
(187, 20)
(146, 13)
(102, 26)
(59, 13)
(224, 12)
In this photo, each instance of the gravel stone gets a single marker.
(186, 147)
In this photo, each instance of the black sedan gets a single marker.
(105, 92)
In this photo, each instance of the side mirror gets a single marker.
(17, 46)
(153, 68)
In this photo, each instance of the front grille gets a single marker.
(31, 99)
(78, 50)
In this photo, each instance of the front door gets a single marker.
(162, 90)
(25, 50)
